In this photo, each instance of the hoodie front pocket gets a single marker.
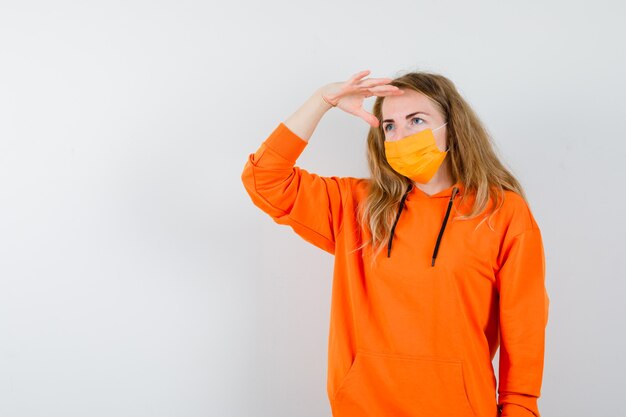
(380, 384)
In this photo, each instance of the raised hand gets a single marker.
(349, 95)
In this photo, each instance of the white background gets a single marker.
(137, 278)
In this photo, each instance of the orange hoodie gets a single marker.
(415, 336)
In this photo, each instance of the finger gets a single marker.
(386, 90)
(368, 117)
(359, 75)
(385, 87)
(390, 93)
(370, 82)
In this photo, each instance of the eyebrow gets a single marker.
(408, 116)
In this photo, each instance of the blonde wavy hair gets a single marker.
(472, 161)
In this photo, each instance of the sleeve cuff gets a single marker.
(520, 408)
(286, 143)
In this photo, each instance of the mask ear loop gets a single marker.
(437, 128)
(447, 150)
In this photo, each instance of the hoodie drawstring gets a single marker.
(393, 228)
(443, 226)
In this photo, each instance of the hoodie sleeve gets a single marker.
(310, 204)
(523, 308)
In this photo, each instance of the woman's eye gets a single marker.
(414, 118)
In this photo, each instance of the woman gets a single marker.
(438, 258)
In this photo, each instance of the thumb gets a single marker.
(368, 117)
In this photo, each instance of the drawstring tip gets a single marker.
(433, 262)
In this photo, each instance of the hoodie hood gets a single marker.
(414, 192)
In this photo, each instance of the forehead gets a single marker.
(395, 107)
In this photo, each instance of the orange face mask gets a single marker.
(416, 156)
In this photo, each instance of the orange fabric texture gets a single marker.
(406, 338)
